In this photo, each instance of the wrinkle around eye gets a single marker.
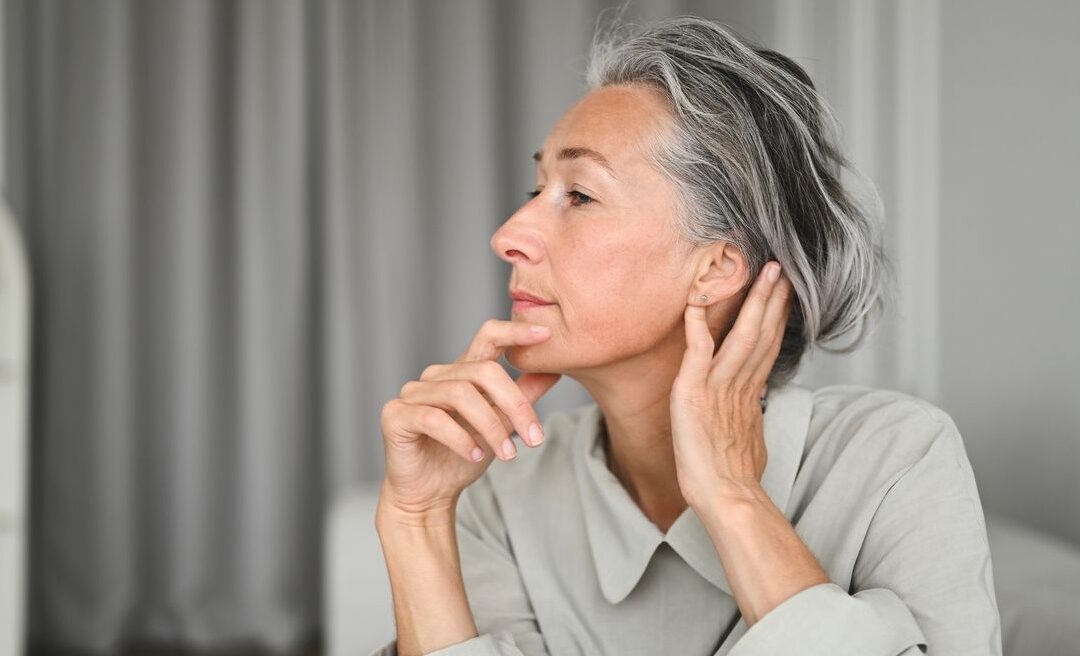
(582, 198)
(579, 195)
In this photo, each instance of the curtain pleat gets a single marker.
(249, 223)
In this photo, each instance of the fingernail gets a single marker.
(508, 449)
(477, 454)
(774, 271)
(536, 434)
(539, 330)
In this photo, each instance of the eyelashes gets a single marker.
(581, 198)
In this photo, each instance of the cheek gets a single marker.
(623, 297)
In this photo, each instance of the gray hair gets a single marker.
(754, 155)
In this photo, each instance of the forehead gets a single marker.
(621, 122)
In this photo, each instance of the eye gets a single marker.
(582, 198)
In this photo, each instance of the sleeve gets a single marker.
(389, 649)
(499, 643)
(500, 606)
(923, 581)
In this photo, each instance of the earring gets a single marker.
(704, 297)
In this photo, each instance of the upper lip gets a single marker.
(519, 295)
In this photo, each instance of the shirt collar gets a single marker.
(622, 539)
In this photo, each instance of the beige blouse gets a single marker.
(558, 559)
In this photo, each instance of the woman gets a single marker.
(687, 241)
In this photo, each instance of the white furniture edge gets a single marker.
(14, 440)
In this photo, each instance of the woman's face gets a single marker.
(601, 245)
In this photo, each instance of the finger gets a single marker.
(463, 398)
(493, 380)
(495, 335)
(435, 423)
(773, 325)
(535, 385)
(740, 341)
(437, 372)
(699, 345)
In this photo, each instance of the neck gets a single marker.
(634, 397)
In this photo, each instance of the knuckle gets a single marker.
(431, 417)
(461, 391)
(722, 384)
(429, 372)
(748, 341)
(390, 405)
(407, 388)
(495, 430)
(522, 406)
(490, 371)
(505, 424)
(769, 335)
(389, 411)
(752, 396)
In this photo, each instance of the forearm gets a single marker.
(431, 609)
(765, 560)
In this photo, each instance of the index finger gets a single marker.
(773, 326)
(497, 334)
(742, 339)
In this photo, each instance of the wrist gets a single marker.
(419, 546)
(390, 515)
(729, 499)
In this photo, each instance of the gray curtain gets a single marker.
(249, 222)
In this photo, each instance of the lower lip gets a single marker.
(521, 306)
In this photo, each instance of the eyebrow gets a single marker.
(574, 152)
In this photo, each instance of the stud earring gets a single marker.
(704, 297)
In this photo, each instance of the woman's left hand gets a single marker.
(716, 415)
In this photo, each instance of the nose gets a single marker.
(517, 240)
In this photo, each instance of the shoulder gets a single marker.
(858, 411)
(869, 449)
(882, 429)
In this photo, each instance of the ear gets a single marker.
(721, 273)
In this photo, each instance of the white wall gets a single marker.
(1010, 229)
(966, 114)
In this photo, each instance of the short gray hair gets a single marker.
(755, 159)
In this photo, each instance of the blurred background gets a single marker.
(232, 229)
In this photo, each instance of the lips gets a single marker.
(524, 301)
(529, 298)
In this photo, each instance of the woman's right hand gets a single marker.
(431, 429)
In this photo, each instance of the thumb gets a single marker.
(699, 345)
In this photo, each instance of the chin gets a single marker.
(534, 358)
